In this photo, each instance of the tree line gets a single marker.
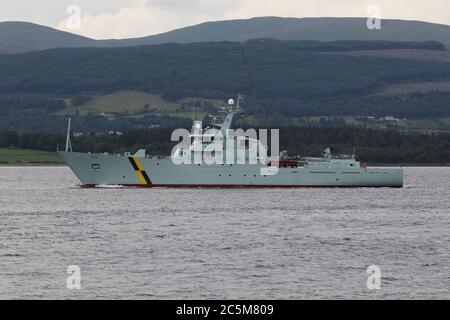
(373, 146)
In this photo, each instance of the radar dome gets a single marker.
(231, 102)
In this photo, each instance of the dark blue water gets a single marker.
(213, 243)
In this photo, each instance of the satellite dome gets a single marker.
(231, 102)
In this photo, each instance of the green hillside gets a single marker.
(157, 85)
(259, 68)
(138, 103)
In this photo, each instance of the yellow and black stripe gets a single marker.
(140, 171)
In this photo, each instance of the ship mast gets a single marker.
(68, 144)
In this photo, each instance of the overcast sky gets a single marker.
(101, 19)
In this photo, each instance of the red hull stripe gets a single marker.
(232, 186)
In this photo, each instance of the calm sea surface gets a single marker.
(215, 243)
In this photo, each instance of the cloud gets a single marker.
(431, 10)
(141, 18)
(138, 20)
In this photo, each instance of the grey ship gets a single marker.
(142, 170)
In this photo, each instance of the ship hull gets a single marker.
(105, 169)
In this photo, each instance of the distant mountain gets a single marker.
(21, 36)
(16, 37)
(317, 29)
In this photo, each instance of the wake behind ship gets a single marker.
(142, 170)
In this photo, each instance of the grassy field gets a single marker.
(131, 101)
(25, 156)
(128, 101)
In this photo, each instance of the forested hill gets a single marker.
(262, 69)
(280, 79)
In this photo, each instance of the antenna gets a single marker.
(238, 102)
(68, 144)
